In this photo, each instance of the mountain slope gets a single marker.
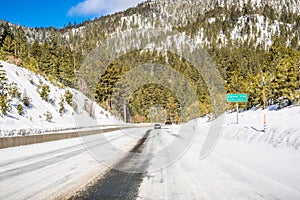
(241, 19)
(243, 37)
(82, 113)
(246, 17)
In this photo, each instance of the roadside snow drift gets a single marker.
(246, 162)
(81, 113)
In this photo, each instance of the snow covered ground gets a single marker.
(34, 120)
(246, 163)
(54, 170)
(283, 127)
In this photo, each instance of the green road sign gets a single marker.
(237, 98)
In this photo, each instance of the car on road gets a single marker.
(157, 126)
(168, 123)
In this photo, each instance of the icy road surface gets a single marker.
(234, 170)
(56, 169)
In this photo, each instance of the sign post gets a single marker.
(264, 102)
(236, 98)
(237, 112)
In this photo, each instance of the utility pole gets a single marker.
(125, 116)
(264, 102)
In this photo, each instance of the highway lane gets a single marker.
(164, 173)
(56, 169)
(122, 181)
(136, 164)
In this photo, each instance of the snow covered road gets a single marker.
(234, 170)
(57, 169)
(144, 167)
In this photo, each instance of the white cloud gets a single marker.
(99, 7)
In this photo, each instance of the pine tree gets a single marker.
(45, 59)
(69, 97)
(5, 33)
(35, 49)
(286, 81)
(3, 80)
(44, 92)
(21, 44)
(13, 91)
(48, 116)
(4, 99)
(8, 46)
(4, 104)
(20, 109)
(66, 67)
(62, 106)
(25, 99)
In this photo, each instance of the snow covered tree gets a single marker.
(4, 99)
(20, 109)
(62, 106)
(44, 92)
(13, 91)
(25, 99)
(69, 97)
(4, 104)
(3, 86)
(48, 116)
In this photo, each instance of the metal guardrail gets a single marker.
(6, 142)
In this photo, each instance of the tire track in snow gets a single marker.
(119, 184)
(75, 151)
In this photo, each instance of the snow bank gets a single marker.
(283, 127)
(246, 162)
(33, 119)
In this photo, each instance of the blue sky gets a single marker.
(57, 13)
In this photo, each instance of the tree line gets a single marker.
(59, 53)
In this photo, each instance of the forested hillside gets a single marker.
(248, 39)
